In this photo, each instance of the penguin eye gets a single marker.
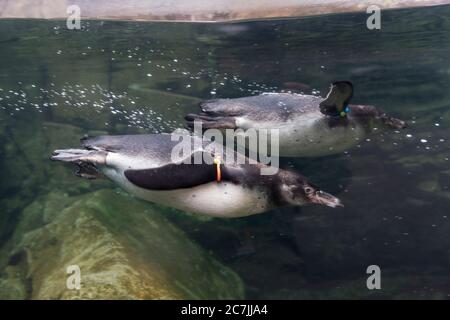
(308, 190)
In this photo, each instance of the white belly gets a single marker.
(222, 199)
(309, 136)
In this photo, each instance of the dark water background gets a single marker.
(129, 77)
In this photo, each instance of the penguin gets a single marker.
(308, 125)
(145, 166)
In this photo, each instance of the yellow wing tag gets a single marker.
(218, 171)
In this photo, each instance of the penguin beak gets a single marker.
(323, 198)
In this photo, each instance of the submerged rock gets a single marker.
(25, 147)
(124, 249)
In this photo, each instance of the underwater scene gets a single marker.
(120, 77)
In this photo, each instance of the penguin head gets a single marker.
(337, 98)
(297, 190)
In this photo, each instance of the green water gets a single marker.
(125, 77)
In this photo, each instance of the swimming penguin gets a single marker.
(144, 165)
(308, 125)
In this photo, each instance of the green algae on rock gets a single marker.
(124, 249)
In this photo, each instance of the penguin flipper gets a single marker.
(172, 176)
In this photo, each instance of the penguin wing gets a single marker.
(183, 175)
(172, 176)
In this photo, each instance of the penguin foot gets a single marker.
(79, 156)
(87, 171)
(393, 122)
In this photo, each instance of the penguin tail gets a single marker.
(210, 122)
(85, 160)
